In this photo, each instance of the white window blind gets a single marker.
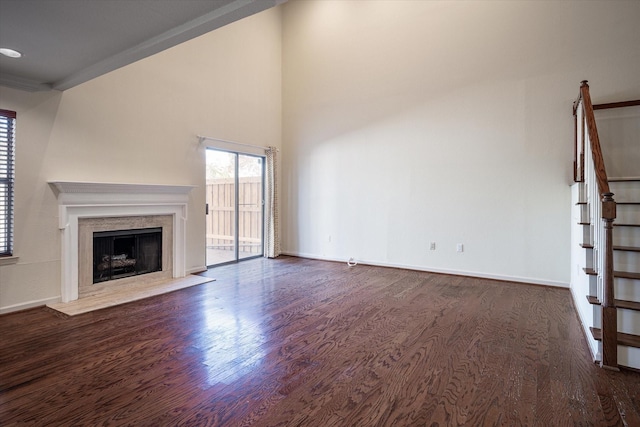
(7, 150)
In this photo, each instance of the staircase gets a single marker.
(605, 252)
(626, 270)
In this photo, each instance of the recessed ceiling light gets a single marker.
(10, 52)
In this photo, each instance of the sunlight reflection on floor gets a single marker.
(232, 345)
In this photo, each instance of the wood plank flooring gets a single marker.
(295, 342)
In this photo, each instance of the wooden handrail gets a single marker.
(578, 159)
(622, 104)
(596, 151)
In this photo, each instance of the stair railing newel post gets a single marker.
(609, 310)
(578, 140)
(582, 146)
(602, 205)
(576, 167)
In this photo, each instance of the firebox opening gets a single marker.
(124, 253)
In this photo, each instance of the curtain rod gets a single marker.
(205, 138)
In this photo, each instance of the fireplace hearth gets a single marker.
(125, 253)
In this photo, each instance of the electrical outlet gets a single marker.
(459, 247)
(432, 246)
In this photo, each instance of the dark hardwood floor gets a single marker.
(295, 342)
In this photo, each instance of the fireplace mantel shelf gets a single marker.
(75, 187)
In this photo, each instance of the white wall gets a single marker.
(619, 134)
(138, 124)
(410, 122)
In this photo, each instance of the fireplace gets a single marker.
(125, 253)
(113, 258)
(88, 207)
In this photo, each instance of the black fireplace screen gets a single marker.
(123, 253)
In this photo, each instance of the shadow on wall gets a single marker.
(619, 132)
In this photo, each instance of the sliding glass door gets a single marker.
(250, 205)
(235, 208)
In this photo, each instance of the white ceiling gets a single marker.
(68, 42)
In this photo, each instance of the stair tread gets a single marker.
(626, 275)
(624, 180)
(621, 274)
(620, 303)
(630, 305)
(618, 202)
(629, 340)
(615, 247)
(626, 248)
(615, 224)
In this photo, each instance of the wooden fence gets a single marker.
(221, 218)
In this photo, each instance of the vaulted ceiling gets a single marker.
(68, 42)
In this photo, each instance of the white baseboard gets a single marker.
(591, 342)
(29, 304)
(527, 280)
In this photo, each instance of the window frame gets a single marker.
(7, 180)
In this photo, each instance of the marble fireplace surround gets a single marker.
(92, 200)
(88, 226)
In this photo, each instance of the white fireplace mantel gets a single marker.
(97, 200)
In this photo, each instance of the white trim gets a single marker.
(9, 260)
(96, 200)
(29, 304)
(591, 342)
(526, 280)
(76, 187)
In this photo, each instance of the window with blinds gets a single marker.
(7, 150)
